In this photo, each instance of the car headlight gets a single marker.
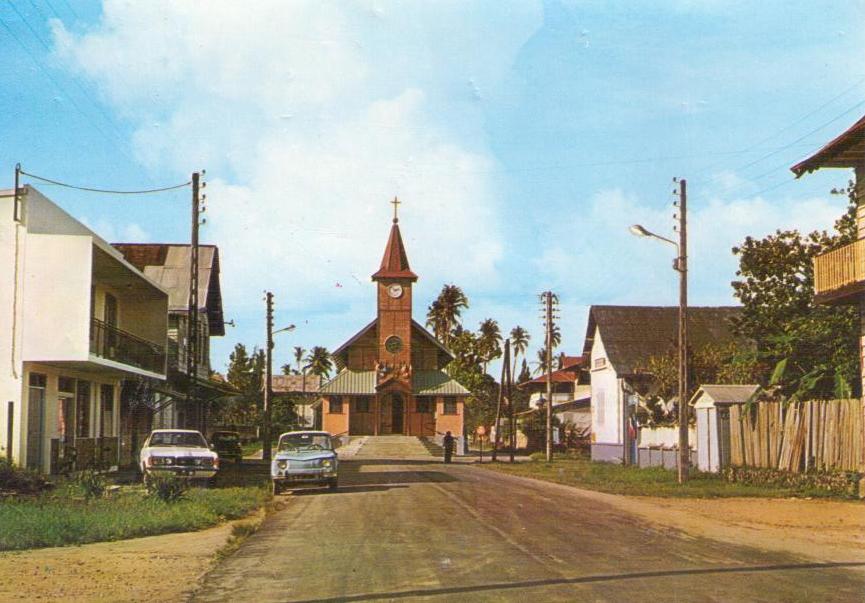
(282, 464)
(161, 460)
(326, 463)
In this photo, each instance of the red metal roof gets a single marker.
(394, 264)
(847, 150)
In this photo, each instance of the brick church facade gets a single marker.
(391, 378)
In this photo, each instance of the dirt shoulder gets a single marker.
(818, 529)
(155, 568)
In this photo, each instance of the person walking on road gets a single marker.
(448, 442)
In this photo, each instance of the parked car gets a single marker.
(227, 445)
(304, 458)
(180, 452)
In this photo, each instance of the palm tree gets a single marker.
(298, 357)
(444, 313)
(318, 361)
(489, 341)
(519, 344)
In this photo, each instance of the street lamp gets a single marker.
(680, 265)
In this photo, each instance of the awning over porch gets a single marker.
(424, 383)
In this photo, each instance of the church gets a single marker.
(391, 377)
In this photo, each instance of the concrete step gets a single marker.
(393, 446)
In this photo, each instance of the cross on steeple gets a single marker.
(396, 202)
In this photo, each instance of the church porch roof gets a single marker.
(424, 383)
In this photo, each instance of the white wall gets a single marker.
(12, 252)
(606, 397)
(57, 280)
(51, 424)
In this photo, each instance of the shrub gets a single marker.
(166, 488)
(837, 482)
(20, 481)
(91, 483)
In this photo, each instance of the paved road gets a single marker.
(421, 530)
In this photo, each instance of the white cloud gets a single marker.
(310, 117)
(615, 267)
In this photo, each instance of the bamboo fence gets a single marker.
(800, 436)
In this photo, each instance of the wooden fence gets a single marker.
(818, 434)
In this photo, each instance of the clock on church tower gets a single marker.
(394, 280)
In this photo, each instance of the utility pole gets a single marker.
(505, 362)
(548, 323)
(192, 309)
(682, 268)
(268, 372)
(511, 416)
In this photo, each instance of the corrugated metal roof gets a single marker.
(424, 383)
(436, 383)
(633, 334)
(350, 382)
(729, 394)
(168, 265)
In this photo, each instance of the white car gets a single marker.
(180, 452)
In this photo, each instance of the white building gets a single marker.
(75, 320)
(620, 341)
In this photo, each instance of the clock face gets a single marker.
(393, 344)
(395, 290)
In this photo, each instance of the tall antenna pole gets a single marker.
(192, 309)
(682, 267)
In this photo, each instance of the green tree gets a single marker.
(245, 374)
(318, 362)
(812, 347)
(287, 369)
(489, 341)
(519, 344)
(443, 314)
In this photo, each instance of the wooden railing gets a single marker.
(841, 271)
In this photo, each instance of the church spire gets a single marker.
(394, 264)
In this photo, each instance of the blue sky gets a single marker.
(522, 137)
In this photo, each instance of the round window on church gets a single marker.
(393, 344)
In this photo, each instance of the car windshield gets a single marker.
(225, 437)
(178, 438)
(305, 441)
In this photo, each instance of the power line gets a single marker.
(78, 85)
(60, 88)
(109, 191)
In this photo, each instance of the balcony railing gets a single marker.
(177, 358)
(111, 343)
(840, 272)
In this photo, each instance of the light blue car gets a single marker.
(304, 458)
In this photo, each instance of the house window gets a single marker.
(361, 404)
(82, 408)
(66, 385)
(335, 407)
(106, 399)
(599, 404)
(599, 363)
(424, 405)
(450, 406)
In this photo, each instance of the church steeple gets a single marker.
(394, 264)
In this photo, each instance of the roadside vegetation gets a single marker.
(85, 509)
(653, 481)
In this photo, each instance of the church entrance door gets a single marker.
(397, 410)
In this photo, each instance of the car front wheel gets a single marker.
(333, 484)
(277, 488)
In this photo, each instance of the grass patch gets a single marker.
(652, 481)
(63, 517)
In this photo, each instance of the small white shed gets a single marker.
(711, 405)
